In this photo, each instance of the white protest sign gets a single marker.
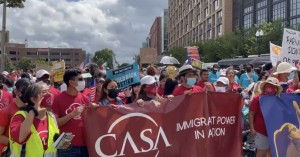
(291, 47)
(275, 53)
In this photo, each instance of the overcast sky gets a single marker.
(120, 25)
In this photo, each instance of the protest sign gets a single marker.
(171, 70)
(58, 69)
(125, 76)
(192, 54)
(282, 119)
(275, 53)
(291, 47)
(200, 125)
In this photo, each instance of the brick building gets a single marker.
(72, 56)
(155, 38)
(195, 20)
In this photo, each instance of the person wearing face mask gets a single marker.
(214, 74)
(222, 85)
(9, 85)
(68, 107)
(47, 96)
(109, 94)
(247, 78)
(283, 72)
(6, 98)
(7, 112)
(271, 87)
(44, 76)
(33, 128)
(187, 75)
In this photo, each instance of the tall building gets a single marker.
(164, 31)
(155, 35)
(255, 12)
(72, 56)
(195, 20)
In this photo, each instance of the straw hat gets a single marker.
(186, 69)
(273, 81)
(284, 67)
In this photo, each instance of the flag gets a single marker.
(87, 59)
(192, 53)
(93, 93)
(103, 67)
(81, 66)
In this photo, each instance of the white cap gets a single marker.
(41, 73)
(224, 80)
(284, 67)
(5, 73)
(148, 80)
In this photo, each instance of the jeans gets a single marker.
(73, 151)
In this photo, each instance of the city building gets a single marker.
(72, 56)
(155, 35)
(148, 56)
(196, 20)
(248, 13)
(165, 31)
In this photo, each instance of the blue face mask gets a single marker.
(291, 76)
(191, 81)
(9, 90)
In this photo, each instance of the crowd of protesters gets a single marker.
(33, 109)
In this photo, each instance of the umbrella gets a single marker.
(168, 60)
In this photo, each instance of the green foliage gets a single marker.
(105, 55)
(25, 63)
(14, 3)
(9, 65)
(238, 43)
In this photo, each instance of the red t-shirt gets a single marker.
(234, 86)
(64, 104)
(180, 90)
(40, 125)
(54, 91)
(259, 122)
(5, 119)
(202, 85)
(86, 92)
(5, 99)
(160, 91)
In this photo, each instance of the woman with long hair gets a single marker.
(109, 93)
(162, 81)
(233, 85)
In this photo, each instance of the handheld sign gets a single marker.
(275, 53)
(58, 70)
(125, 76)
(291, 47)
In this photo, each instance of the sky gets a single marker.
(120, 25)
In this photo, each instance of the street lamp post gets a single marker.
(259, 35)
(3, 42)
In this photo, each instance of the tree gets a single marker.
(179, 54)
(14, 3)
(25, 63)
(105, 55)
(9, 65)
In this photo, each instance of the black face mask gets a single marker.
(248, 70)
(113, 93)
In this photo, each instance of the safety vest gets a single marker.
(34, 146)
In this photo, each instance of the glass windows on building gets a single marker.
(295, 23)
(261, 4)
(261, 16)
(295, 8)
(279, 11)
(248, 20)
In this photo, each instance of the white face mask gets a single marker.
(81, 86)
(221, 89)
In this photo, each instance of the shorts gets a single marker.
(261, 142)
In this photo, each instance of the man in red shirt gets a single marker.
(68, 107)
(187, 75)
(43, 75)
(7, 112)
(203, 83)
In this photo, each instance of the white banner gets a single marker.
(275, 53)
(291, 47)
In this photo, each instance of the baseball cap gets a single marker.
(41, 73)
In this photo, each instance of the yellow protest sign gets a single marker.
(197, 64)
(58, 69)
(171, 70)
